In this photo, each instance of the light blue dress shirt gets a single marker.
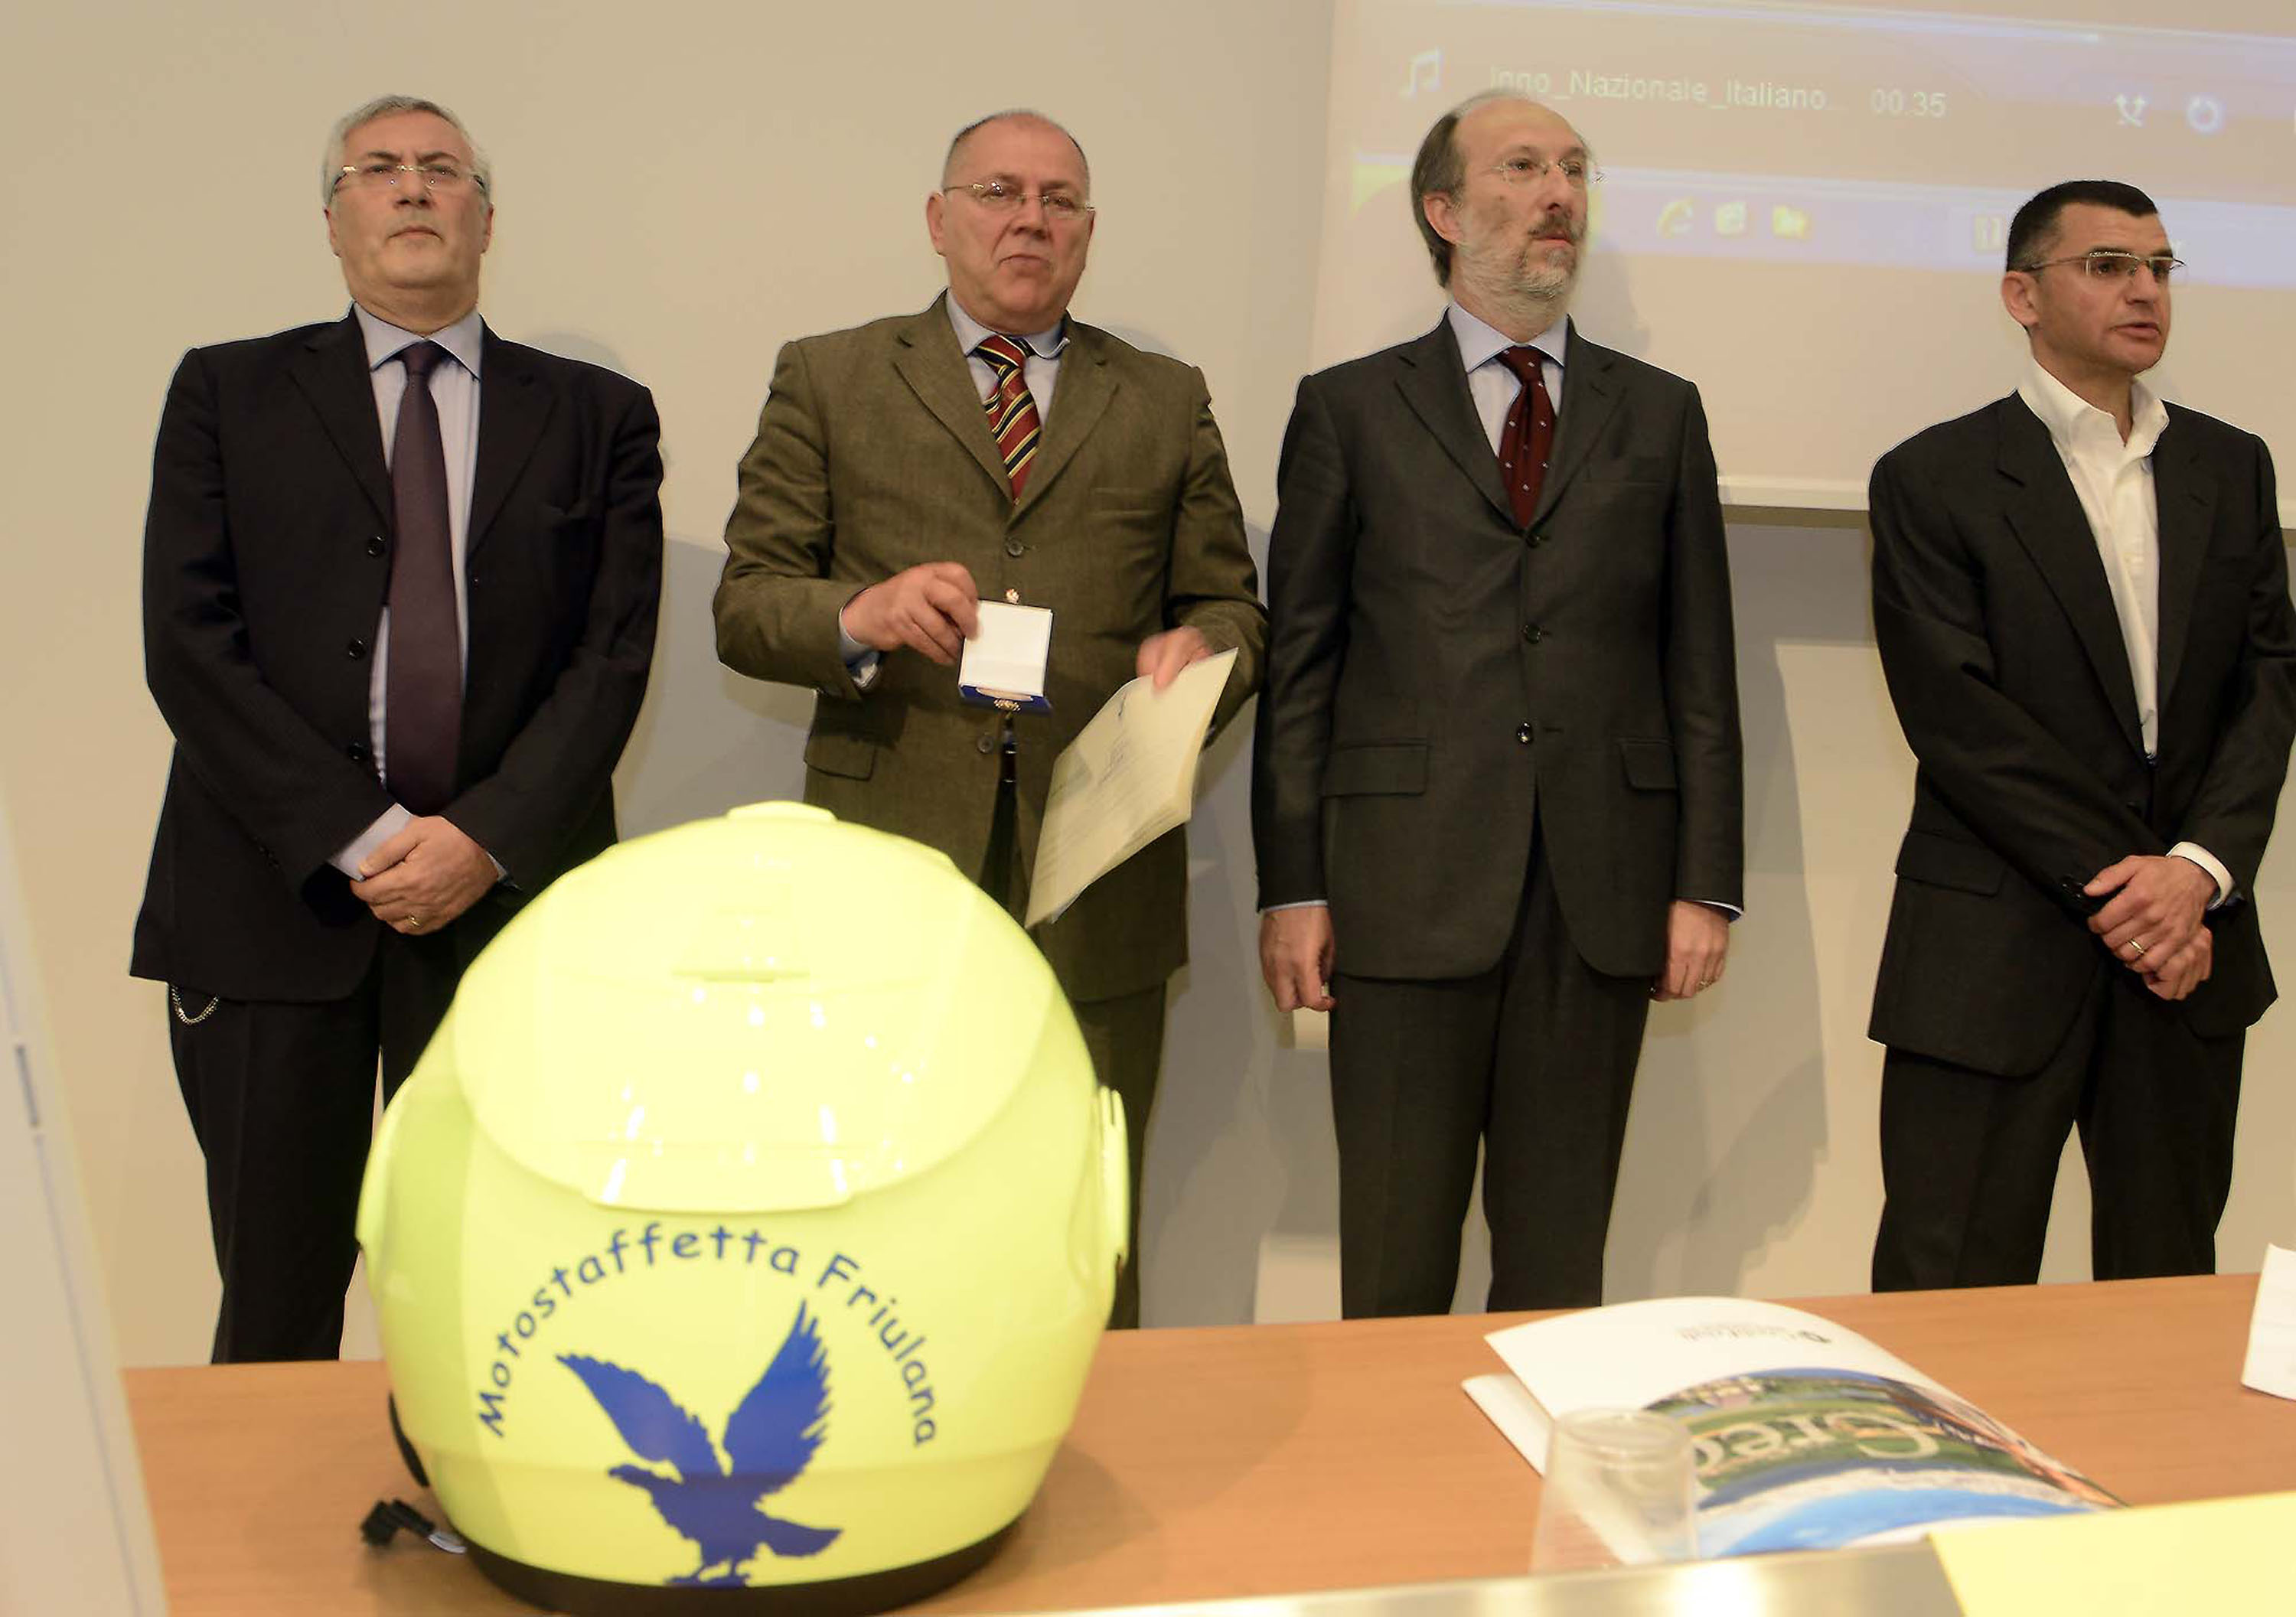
(1041, 371)
(455, 390)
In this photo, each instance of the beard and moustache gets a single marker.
(1532, 275)
(1538, 275)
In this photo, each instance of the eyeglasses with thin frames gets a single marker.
(999, 196)
(1522, 168)
(384, 176)
(2109, 266)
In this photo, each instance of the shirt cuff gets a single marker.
(2209, 862)
(387, 824)
(860, 660)
(1299, 904)
(1730, 911)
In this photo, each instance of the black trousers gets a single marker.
(1968, 1159)
(1125, 1037)
(281, 1099)
(1535, 1059)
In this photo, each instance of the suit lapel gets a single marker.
(1079, 402)
(514, 404)
(927, 357)
(332, 372)
(2185, 495)
(2048, 519)
(1590, 392)
(1433, 381)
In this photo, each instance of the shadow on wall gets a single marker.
(1732, 1123)
(709, 740)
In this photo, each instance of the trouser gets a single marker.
(1534, 1058)
(281, 1100)
(1968, 1159)
(1125, 1037)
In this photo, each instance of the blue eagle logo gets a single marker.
(770, 1439)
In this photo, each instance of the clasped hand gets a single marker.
(423, 876)
(2153, 923)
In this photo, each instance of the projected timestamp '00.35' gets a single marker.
(1891, 102)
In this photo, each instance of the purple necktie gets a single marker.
(423, 694)
(1527, 438)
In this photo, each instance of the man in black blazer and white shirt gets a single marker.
(2080, 598)
(400, 581)
(1495, 794)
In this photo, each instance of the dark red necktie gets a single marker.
(422, 687)
(1527, 439)
(1013, 420)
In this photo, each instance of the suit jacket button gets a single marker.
(1522, 733)
(1014, 548)
(1533, 633)
(984, 743)
(357, 752)
(356, 650)
(375, 547)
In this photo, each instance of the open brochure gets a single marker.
(1804, 1435)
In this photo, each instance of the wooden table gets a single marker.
(1249, 1460)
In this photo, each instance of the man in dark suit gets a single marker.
(993, 447)
(1496, 795)
(2080, 599)
(400, 580)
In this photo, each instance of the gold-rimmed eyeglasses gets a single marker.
(1001, 196)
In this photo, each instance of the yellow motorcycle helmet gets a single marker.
(742, 1238)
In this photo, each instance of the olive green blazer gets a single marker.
(872, 455)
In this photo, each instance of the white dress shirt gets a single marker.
(2114, 481)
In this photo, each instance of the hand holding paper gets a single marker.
(1128, 778)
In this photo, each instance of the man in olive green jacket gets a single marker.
(882, 500)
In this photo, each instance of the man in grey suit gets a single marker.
(1495, 794)
(993, 447)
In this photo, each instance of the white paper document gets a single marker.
(1128, 778)
(2271, 1365)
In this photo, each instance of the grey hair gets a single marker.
(947, 164)
(330, 161)
(1440, 170)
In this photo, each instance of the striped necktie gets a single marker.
(1013, 420)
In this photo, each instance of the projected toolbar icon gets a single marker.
(2132, 111)
(1424, 71)
(2205, 114)
(1730, 219)
(1788, 224)
(1675, 217)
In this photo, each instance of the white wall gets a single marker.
(682, 187)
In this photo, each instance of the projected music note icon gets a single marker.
(1424, 71)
